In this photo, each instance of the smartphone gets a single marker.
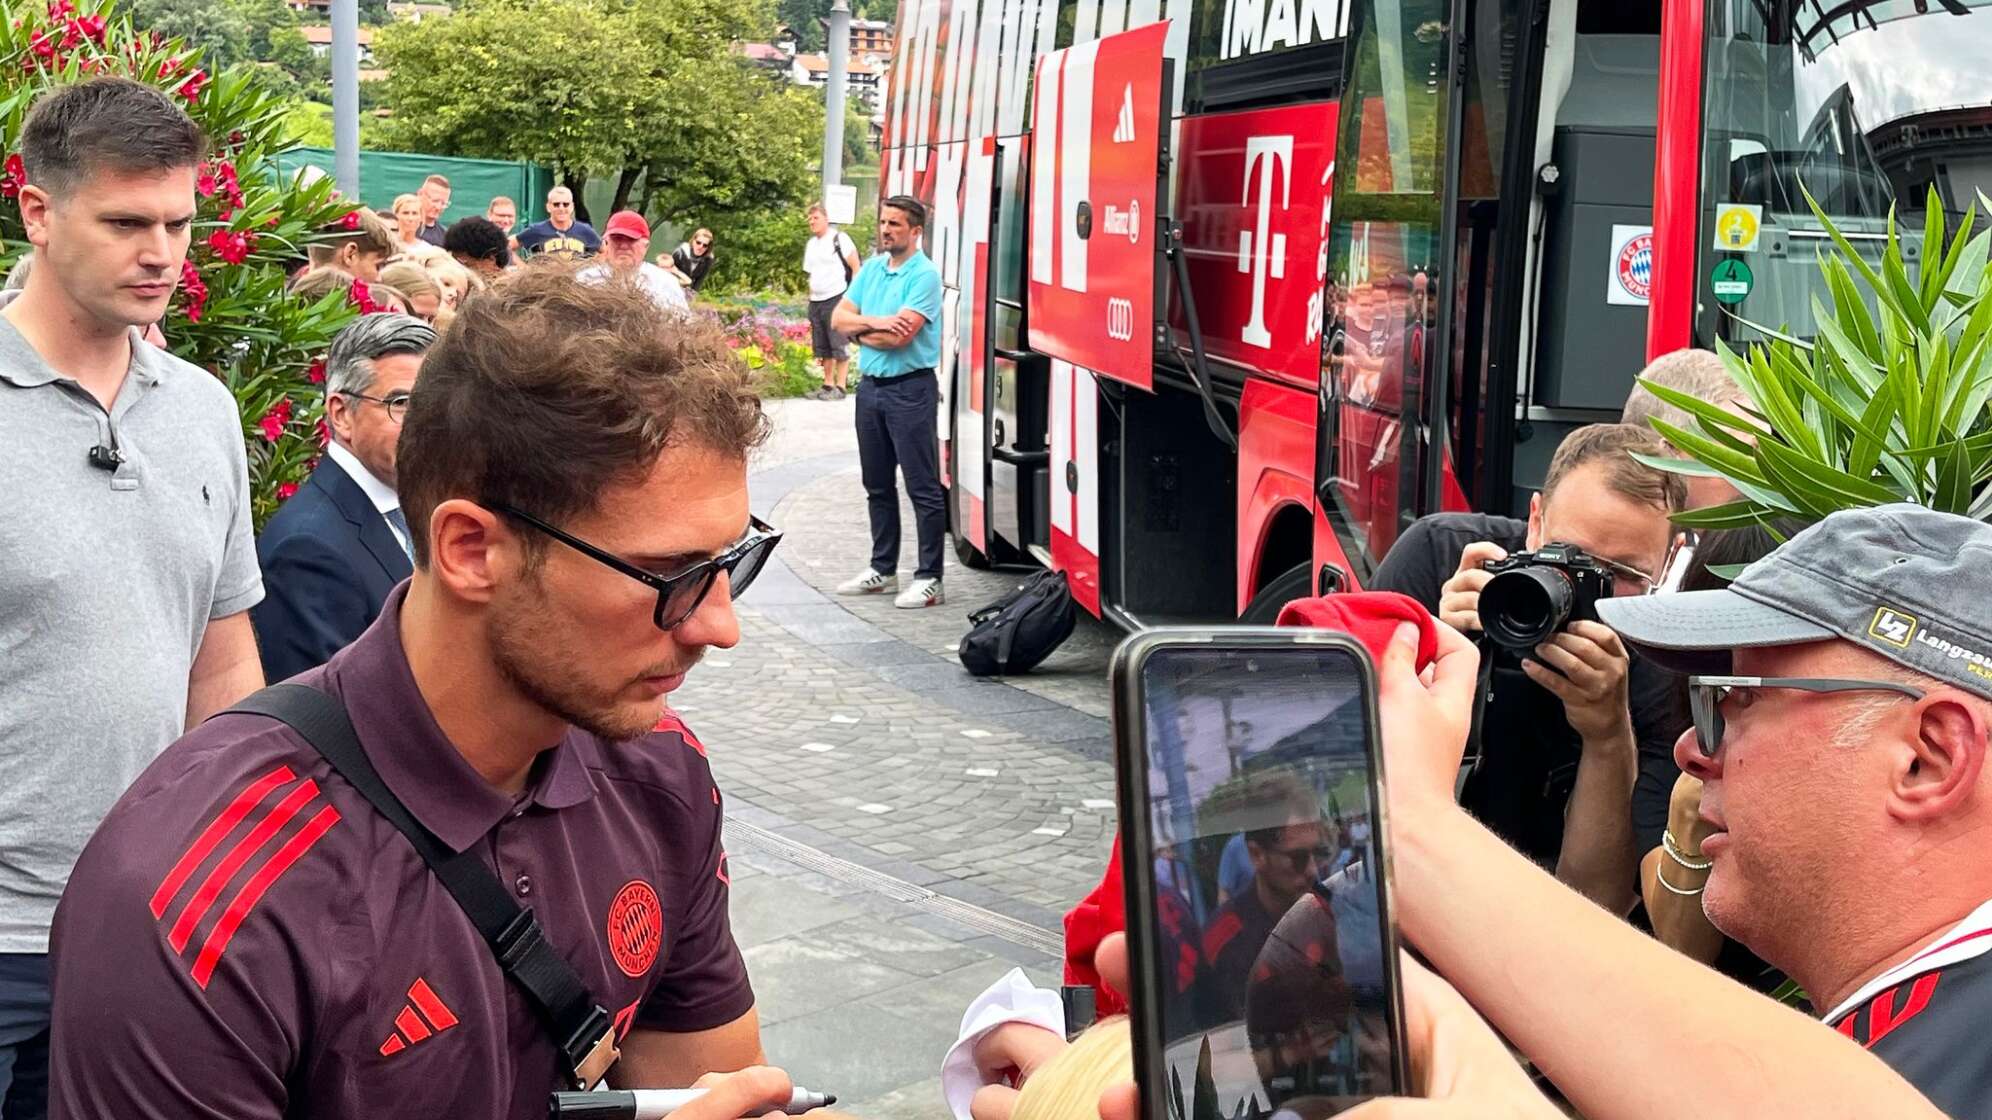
(1262, 950)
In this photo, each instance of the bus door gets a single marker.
(1096, 144)
(1388, 269)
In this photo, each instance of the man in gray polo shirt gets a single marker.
(126, 562)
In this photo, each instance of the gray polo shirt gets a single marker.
(107, 583)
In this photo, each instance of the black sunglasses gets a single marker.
(677, 595)
(1299, 858)
(1706, 694)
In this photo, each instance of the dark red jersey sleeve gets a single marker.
(702, 982)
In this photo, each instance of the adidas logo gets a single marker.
(422, 1016)
(1124, 130)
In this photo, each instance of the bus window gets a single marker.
(1864, 106)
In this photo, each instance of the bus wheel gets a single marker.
(1264, 609)
(969, 555)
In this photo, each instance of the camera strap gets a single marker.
(1483, 690)
(578, 1025)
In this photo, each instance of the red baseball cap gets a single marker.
(628, 223)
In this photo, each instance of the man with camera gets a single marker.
(1567, 720)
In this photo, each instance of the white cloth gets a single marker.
(823, 259)
(1969, 938)
(379, 493)
(662, 286)
(418, 252)
(1011, 999)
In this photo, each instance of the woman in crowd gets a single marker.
(408, 229)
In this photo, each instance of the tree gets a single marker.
(231, 315)
(647, 91)
(801, 16)
(264, 18)
(214, 27)
(309, 73)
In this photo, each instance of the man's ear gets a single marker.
(35, 207)
(471, 550)
(1535, 521)
(1938, 769)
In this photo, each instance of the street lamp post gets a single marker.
(346, 97)
(833, 94)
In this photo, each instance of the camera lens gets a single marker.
(1520, 609)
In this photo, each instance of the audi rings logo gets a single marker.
(1120, 319)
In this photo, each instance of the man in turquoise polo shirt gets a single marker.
(892, 310)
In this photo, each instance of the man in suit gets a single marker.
(340, 544)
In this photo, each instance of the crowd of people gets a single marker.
(417, 266)
(469, 855)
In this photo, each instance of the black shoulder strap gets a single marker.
(577, 1023)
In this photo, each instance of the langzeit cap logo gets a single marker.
(1893, 626)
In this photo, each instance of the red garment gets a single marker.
(1372, 617)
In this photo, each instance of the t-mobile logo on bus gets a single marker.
(1261, 251)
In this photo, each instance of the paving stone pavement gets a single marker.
(899, 834)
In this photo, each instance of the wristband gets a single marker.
(1672, 889)
(1673, 849)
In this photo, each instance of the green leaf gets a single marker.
(1688, 467)
(1733, 464)
(1700, 409)
(1841, 489)
(1847, 250)
(1931, 269)
(1729, 515)
(1953, 481)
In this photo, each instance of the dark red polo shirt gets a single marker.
(245, 937)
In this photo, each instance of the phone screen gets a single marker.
(1267, 938)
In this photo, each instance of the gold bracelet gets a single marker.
(1674, 889)
(1673, 849)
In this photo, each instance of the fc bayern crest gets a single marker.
(1635, 267)
(636, 928)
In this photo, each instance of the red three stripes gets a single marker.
(246, 849)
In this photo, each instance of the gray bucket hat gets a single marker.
(1907, 582)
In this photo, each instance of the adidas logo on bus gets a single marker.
(1124, 130)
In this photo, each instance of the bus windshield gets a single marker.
(1866, 106)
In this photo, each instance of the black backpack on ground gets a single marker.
(1015, 632)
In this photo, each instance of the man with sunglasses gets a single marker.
(249, 936)
(1564, 734)
(1842, 697)
(336, 548)
(1288, 841)
(561, 235)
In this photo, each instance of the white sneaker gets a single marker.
(869, 583)
(920, 593)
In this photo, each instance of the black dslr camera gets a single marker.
(1535, 594)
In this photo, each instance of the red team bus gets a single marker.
(1420, 240)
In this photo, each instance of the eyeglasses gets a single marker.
(1625, 572)
(1680, 559)
(1299, 858)
(396, 405)
(1706, 694)
(677, 595)
(702, 244)
(558, 205)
